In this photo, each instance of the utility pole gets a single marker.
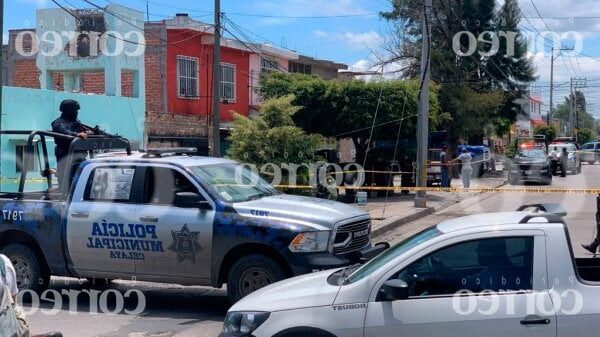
(549, 117)
(423, 117)
(147, 11)
(552, 58)
(571, 105)
(576, 83)
(215, 138)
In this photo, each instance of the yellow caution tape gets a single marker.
(460, 189)
(29, 180)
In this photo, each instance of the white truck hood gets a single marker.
(320, 214)
(311, 290)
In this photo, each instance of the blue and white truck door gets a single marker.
(181, 245)
(102, 236)
(469, 266)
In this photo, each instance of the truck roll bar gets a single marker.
(104, 141)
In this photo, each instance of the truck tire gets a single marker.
(478, 170)
(250, 273)
(30, 274)
(574, 171)
(547, 180)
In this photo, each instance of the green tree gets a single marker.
(547, 130)
(585, 135)
(498, 77)
(348, 109)
(272, 137)
(567, 112)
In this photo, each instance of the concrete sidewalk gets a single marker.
(390, 213)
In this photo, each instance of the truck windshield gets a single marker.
(532, 153)
(233, 183)
(393, 252)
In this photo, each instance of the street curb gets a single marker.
(397, 221)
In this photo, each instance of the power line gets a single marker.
(540, 15)
(166, 42)
(65, 9)
(303, 17)
(260, 15)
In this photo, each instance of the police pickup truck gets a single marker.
(172, 218)
(496, 274)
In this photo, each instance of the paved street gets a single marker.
(581, 208)
(197, 311)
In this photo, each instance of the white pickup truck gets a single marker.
(498, 274)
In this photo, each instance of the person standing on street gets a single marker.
(564, 156)
(466, 171)
(595, 244)
(8, 281)
(445, 169)
(67, 124)
(554, 160)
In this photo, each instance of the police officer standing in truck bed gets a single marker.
(67, 124)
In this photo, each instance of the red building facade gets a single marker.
(179, 86)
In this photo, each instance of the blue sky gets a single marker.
(343, 39)
(353, 30)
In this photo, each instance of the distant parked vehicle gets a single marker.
(530, 164)
(481, 158)
(590, 152)
(573, 159)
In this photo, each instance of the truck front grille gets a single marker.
(352, 236)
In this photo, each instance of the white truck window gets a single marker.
(233, 182)
(110, 184)
(502, 264)
(162, 184)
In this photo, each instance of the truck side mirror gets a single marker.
(395, 290)
(191, 200)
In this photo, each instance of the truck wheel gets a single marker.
(590, 162)
(30, 274)
(573, 171)
(513, 180)
(478, 170)
(547, 181)
(251, 273)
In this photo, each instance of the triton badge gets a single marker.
(185, 244)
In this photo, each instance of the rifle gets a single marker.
(96, 130)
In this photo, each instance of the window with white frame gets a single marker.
(227, 82)
(268, 64)
(187, 73)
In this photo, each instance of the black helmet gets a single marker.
(69, 106)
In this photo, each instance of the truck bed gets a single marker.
(588, 268)
(40, 220)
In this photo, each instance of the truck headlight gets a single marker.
(243, 323)
(310, 242)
